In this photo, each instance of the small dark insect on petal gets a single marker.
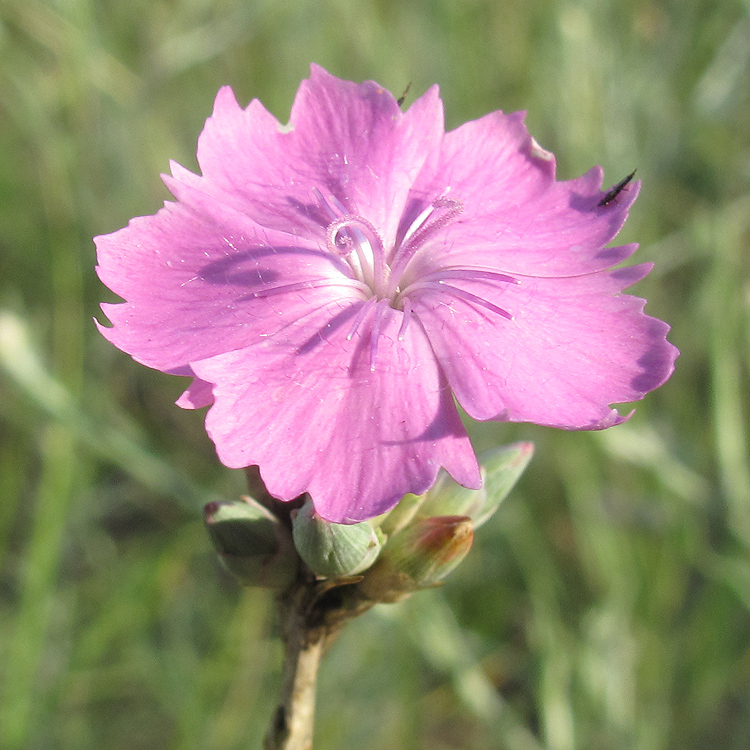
(616, 190)
(402, 98)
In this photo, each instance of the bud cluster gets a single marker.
(414, 546)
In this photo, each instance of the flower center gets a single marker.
(357, 240)
(381, 272)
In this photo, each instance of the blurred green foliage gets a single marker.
(605, 607)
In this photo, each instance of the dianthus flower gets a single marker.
(334, 284)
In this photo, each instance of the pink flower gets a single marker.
(333, 284)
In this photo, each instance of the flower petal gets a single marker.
(313, 415)
(196, 288)
(349, 141)
(573, 347)
(197, 395)
(516, 217)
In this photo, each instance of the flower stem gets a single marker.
(312, 612)
(292, 724)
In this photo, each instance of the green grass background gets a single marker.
(605, 607)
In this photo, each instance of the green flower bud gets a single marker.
(252, 544)
(334, 550)
(501, 468)
(417, 557)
